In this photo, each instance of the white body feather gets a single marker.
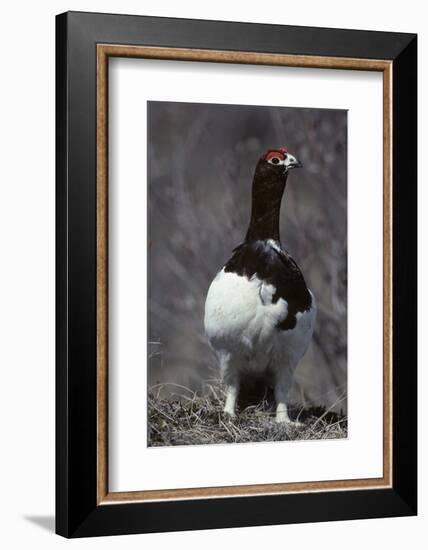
(241, 325)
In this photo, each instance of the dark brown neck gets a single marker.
(268, 188)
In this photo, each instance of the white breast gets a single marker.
(241, 321)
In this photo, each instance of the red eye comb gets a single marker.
(281, 152)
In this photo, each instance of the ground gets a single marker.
(179, 416)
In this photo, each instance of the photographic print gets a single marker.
(234, 253)
(247, 273)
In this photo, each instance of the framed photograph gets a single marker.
(236, 274)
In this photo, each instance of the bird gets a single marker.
(259, 313)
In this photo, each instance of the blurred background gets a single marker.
(201, 160)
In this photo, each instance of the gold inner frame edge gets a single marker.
(104, 51)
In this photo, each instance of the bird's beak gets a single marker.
(294, 163)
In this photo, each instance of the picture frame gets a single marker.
(84, 44)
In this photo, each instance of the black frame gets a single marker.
(77, 513)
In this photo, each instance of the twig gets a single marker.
(339, 400)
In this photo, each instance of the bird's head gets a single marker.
(279, 161)
(271, 174)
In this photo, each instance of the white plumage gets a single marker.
(240, 323)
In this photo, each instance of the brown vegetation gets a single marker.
(183, 417)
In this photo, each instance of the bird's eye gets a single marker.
(275, 160)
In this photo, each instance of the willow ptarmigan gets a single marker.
(259, 313)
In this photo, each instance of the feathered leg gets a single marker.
(283, 382)
(230, 376)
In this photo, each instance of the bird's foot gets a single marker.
(229, 413)
(285, 421)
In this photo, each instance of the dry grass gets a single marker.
(179, 416)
